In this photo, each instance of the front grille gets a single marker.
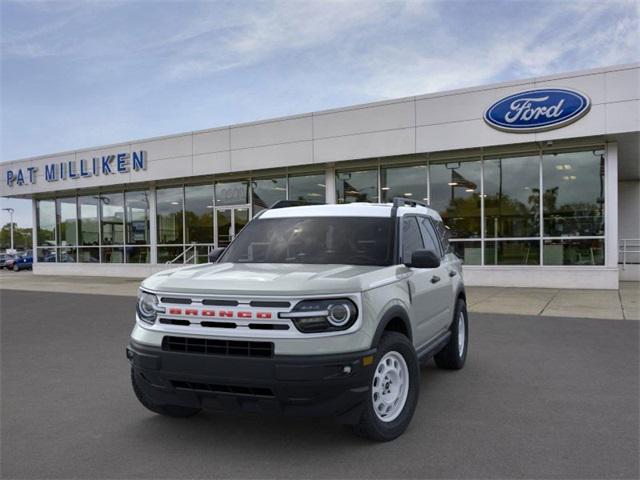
(220, 303)
(209, 346)
(178, 301)
(269, 304)
(232, 389)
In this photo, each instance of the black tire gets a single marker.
(16, 268)
(167, 410)
(450, 357)
(370, 425)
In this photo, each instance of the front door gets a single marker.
(229, 222)
(429, 288)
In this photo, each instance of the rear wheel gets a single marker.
(16, 268)
(167, 410)
(395, 384)
(454, 354)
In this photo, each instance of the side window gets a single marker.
(411, 238)
(430, 237)
(443, 234)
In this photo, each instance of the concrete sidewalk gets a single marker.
(610, 304)
(623, 304)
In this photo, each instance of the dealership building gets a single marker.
(538, 181)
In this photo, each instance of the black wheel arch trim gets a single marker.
(461, 293)
(396, 311)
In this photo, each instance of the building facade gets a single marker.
(537, 180)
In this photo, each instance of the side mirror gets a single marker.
(424, 259)
(215, 254)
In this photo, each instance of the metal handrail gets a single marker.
(628, 245)
(184, 254)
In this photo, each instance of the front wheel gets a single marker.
(454, 354)
(16, 268)
(395, 386)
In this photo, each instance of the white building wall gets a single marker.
(428, 123)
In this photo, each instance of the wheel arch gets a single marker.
(461, 294)
(396, 319)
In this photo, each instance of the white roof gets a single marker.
(359, 209)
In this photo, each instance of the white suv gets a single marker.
(315, 310)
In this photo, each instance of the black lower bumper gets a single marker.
(315, 385)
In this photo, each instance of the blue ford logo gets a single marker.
(537, 110)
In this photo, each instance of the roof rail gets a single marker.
(406, 202)
(292, 203)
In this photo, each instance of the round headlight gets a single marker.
(147, 307)
(339, 314)
(323, 315)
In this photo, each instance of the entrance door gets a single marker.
(229, 222)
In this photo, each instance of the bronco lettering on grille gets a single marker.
(243, 314)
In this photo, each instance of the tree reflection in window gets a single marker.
(455, 194)
(573, 198)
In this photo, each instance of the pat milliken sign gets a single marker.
(104, 165)
(537, 110)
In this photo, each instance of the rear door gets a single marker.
(424, 284)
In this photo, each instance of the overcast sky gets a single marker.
(81, 74)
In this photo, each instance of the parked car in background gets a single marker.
(4, 258)
(23, 261)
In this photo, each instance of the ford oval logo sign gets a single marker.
(537, 110)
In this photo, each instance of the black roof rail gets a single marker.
(404, 202)
(292, 203)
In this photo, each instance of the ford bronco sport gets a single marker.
(316, 310)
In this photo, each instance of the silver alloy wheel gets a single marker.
(461, 334)
(390, 386)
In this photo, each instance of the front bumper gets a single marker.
(311, 385)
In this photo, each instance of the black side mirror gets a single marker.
(424, 259)
(215, 254)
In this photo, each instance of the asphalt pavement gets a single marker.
(539, 397)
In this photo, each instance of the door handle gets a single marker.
(435, 279)
(452, 273)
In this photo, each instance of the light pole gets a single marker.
(10, 210)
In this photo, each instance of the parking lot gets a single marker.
(539, 397)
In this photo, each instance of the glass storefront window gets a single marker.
(66, 255)
(265, 192)
(137, 254)
(512, 252)
(89, 255)
(307, 188)
(574, 251)
(88, 220)
(232, 193)
(512, 197)
(67, 221)
(112, 218)
(46, 254)
(573, 198)
(409, 182)
(469, 252)
(46, 217)
(198, 213)
(357, 186)
(455, 194)
(112, 254)
(169, 206)
(167, 254)
(137, 218)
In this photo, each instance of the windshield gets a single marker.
(320, 240)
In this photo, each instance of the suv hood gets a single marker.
(271, 279)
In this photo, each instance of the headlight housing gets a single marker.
(326, 315)
(147, 307)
